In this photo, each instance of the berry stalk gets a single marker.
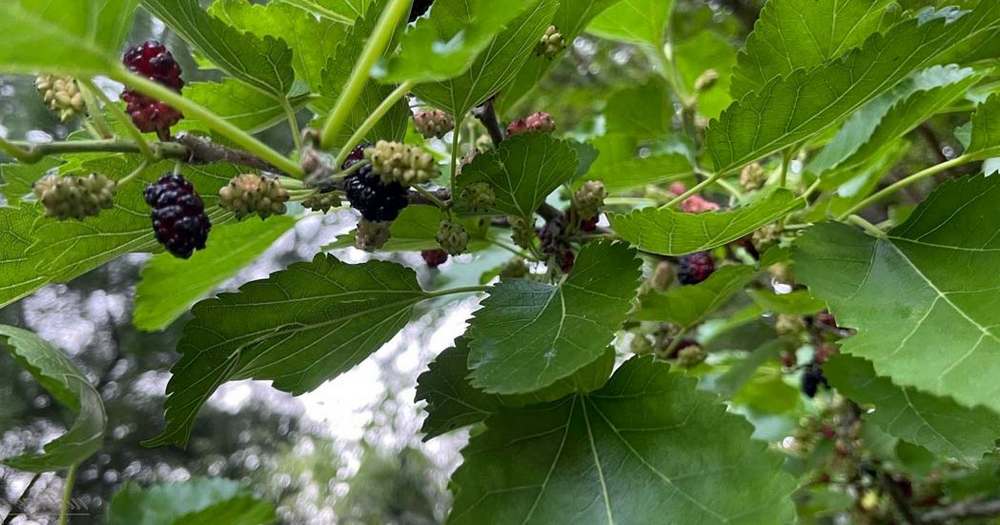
(140, 141)
(906, 182)
(213, 121)
(377, 42)
(359, 135)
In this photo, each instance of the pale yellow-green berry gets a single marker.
(766, 236)
(61, 94)
(397, 162)
(691, 356)
(75, 197)
(433, 123)
(453, 238)
(663, 276)
(250, 193)
(706, 80)
(753, 177)
(322, 202)
(515, 268)
(789, 324)
(522, 232)
(371, 236)
(640, 345)
(589, 199)
(478, 196)
(551, 44)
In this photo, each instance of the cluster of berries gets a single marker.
(250, 193)
(74, 197)
(179, 218)
(153, 61)
(61, 95)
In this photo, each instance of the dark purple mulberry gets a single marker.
(377, 202)
(813, 379)
(695, 268)
(434, 258)
(153, 61)
(179, 218)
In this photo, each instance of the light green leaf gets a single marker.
(523, 171)
(794, 34)
(937, 423)
(298, 328)
(36, 250)
(923, 299)
(453, 403)
(445, 44)
(341, 11)
(168, 287)
(68, 385)
(64, 36)
(312, 39)
(619, 167)
(394, 124)
(644, 111)
(986, 129)
(571, 18)
(670, 232)
(528, 335)
(416, 230)
(687, 306)
(798, 302)
(17, 180)
(263, 63)
(808, 102)
(634, 21)
(200, 501)
(872, 129)
(496, 66)
(646, 448)
(694, 56)
(240, 104)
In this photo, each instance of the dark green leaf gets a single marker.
(670, 232)
(687, 306)
(646, 448)
(528, 335)
(67, 384)
(240, 104)
(298, 328)
(416, 230)
(986, 129)
(196, 502)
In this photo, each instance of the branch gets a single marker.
(487, 114)
(899, 499)
(961, 510)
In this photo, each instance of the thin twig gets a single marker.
(962, 510)
(487, 114)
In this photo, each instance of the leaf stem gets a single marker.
(695, 189)
(67, 496)
(377, 42)
(213, 121)
(857, 220)
(15, 151)
(906, 182)
(373, 119)
(454, 291)
(511, 249)
(786, 160)
(455, 142)
(430, 196)
(119, 114)
(93, 109)
(293, 123)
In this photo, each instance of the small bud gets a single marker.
(753, 177)
(540, 122)
(397, 162)
(453, 238)
(551, 44)
(589, 199)
(706, 80)
(478, 196)
(766, 236)
(522, 232)
(433, 123)
(250, 193)
(371, 236)
(515, 268)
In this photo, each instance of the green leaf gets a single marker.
(195, 502)
(571, 18)
(262, 63)
(528, 335)
(694, 56)
(523, 171)
(794, 34)
(342, 11)
(634, 21)
(240, 104)
(312, 39)
(445, 44)
(923, 299)
(17, 180)
(644, 111)
(64, 36)
(798, 302)
(807, 102)
(394, 124)
(36, 250)
(874, 127)
(68, 385)
(986, 129)
(670, 232)
(168, 287)
(687, 306)
(937, 423)
(298, 328)
(620, 169)
(646, 448)
(416, 230)
(453, 403)
(496, 66)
